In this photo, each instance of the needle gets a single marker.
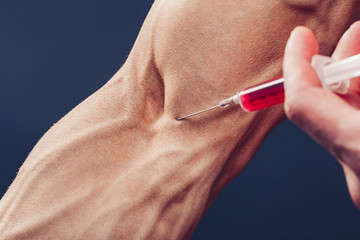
(335, 76)
(223, 104)
(182, 118)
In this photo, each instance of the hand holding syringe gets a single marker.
(334, 76)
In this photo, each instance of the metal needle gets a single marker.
(182, 118)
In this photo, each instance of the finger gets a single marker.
(349, 43)
(300, 49)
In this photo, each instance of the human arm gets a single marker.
(90, 163)
(331, 119)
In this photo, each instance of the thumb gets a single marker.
(300, 76)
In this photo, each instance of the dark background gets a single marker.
(53, 54)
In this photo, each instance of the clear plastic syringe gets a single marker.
(334, 76)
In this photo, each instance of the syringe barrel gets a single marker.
(335, 76)
(342, 70)
(263, 95)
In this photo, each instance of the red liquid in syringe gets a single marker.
(263, 95)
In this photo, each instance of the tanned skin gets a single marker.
(119, 166)
(333, 120)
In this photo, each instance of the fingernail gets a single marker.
(296, 29)
(355, 24)
(352, 26)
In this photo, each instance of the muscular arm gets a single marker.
(120, 166)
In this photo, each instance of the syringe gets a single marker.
(334, 76)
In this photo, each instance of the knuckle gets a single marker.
(291, 108)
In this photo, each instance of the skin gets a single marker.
(333, 120)
(119, 166)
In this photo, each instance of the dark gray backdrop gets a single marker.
(53, 54)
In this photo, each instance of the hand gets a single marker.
(331, 119)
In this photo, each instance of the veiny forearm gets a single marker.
(113, 178)
(120, 166)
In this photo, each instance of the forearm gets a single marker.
(120, 165)
(103, 171)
